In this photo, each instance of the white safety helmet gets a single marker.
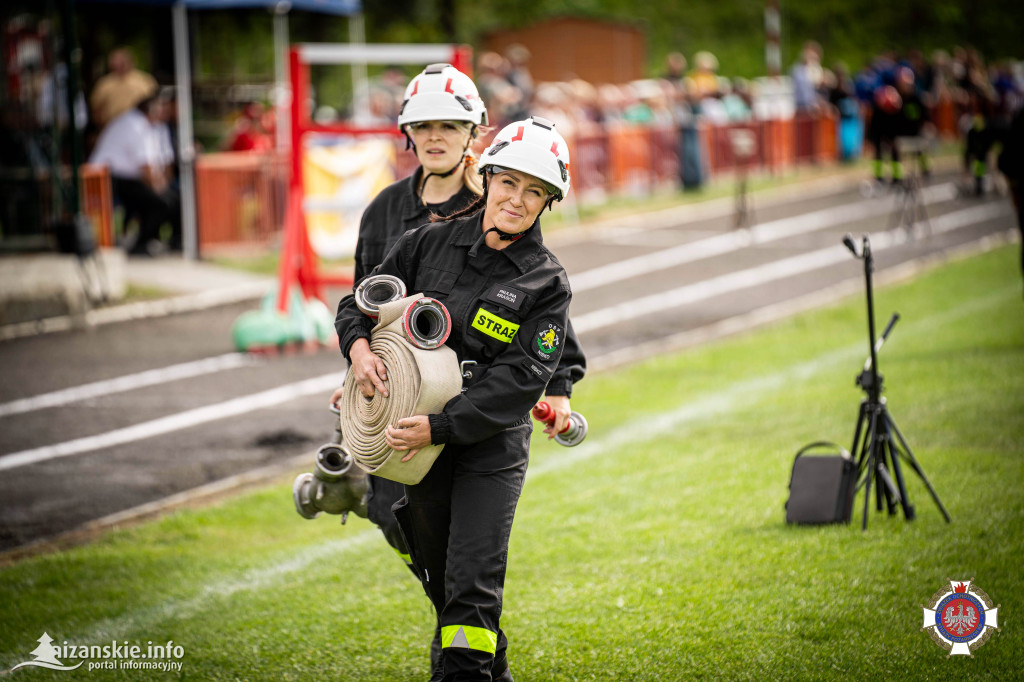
(442, 93)
(532, 146)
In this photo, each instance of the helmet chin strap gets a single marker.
(508, 236)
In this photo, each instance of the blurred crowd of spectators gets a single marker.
(699, 90)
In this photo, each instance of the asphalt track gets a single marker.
(129, 416)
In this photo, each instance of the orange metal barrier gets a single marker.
(779, 143)
(97, 201)
(240, 197)
(664, 155)
(944, 117)
(588, 165)
(629, 156)
(828, 138)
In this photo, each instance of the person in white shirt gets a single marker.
(131, 148)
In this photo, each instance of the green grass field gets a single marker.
(654, 551)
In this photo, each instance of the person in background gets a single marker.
(248, 133)
(675, 69)
(1011, 164)
(807, 77)
(519, 77)
(705, 75)
(130, 147)
(980, 102)
(843, 97)
(120, 89)
(886, 104)
(913, 114)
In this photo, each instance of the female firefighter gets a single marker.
(441, 116)
(508, 298)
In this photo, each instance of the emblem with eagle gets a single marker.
(960, 618)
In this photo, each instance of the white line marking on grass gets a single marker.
(771, 272)
(128, 382)
(728, 242)
(745, 392)
(174, 422)
(263, 577)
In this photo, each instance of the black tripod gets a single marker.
(877, 451)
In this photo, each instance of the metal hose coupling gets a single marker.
(336, 486)
(375, 291)
(573, 433)
(426, 323)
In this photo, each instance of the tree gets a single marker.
(45, 652)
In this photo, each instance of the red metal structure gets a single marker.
(299, 263)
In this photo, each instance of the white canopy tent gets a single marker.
(183, 79)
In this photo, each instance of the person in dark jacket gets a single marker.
(508, 298)
(440, 128)
(914, 117)
(1011, 163)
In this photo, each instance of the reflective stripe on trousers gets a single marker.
(469, 637)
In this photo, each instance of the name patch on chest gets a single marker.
(507, 296)
(494, 326)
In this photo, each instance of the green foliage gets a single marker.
(656, 550)
(849, 30)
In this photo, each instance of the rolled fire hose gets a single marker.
(422, 375)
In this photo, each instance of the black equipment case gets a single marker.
(821, 487)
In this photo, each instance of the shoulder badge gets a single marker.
(547, 340)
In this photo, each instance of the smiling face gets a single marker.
(439, 144)
(514, 200)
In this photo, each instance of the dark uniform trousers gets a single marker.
(456, 523)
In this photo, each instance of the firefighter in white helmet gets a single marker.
(509, 300)
(441, 116)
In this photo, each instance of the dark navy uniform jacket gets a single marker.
(509, 312)
(398, 209)
(392, 213)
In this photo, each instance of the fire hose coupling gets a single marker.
(426, 323)
(573, 433)
(336, 486)
(375, 291)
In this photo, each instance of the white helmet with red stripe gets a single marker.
(532, 146)
(442, 93)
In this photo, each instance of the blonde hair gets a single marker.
(470, 177)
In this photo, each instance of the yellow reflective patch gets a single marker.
(469, 637)
(494, 326)
(405, 557)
